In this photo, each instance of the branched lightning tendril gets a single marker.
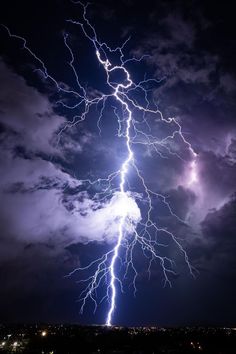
(131, 232)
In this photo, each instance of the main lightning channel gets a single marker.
(124, 170)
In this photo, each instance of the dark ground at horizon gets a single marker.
(72, 339)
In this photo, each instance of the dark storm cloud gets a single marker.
(219, 246)
(217, 173)
(27, 114)
(219, 227)
(181, 200)
(227, 83)
(174, 51)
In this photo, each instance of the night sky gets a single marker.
(50, 222)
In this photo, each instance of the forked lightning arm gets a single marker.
(132, 231)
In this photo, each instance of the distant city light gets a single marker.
(191, 340)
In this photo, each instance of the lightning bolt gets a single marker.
(133, 229)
